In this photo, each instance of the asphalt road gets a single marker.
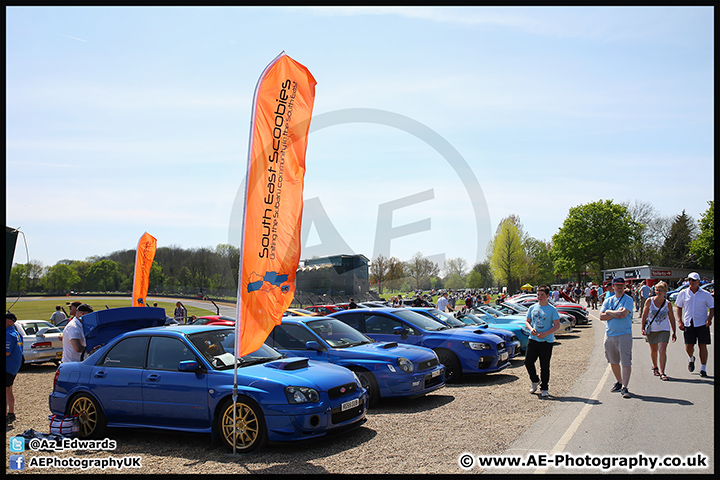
(592, 427)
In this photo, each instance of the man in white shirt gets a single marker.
(442, 302)
(74, 337)
(555, 294)
(696, 309)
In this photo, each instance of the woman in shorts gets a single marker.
(658, 313)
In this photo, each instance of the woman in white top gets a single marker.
(657, 321)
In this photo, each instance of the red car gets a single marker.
(215, 320)
(324, 309)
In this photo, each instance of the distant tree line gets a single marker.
(596, 236)
(175, 270)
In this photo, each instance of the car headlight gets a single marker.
(302, 395)
(514, 338)
(357, 379)
(405, 365)
(476, 345)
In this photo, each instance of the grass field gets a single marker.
(43, 309)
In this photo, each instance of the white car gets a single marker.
(42, 341)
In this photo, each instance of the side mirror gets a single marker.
(188, 366)
(401, 331)
(313, 345)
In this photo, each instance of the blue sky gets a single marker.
(126, 120)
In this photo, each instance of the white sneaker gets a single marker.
(544, 393)
(534, 387)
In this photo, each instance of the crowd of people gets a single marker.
(693, 315)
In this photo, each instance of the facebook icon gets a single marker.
(17, 462)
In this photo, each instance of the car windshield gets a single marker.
(337, 334)
(218, 347)
(518, 307)
(445, 317)
(472, 319)
(420, 320)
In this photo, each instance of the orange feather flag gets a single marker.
(270, 246)
(147, 246)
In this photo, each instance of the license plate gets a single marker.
(503, 356)
(435, 373)
(58, 354)
(351, 404)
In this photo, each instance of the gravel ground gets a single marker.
(483, 415)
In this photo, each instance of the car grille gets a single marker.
(427, 365)
(340, 417)
(485, 362)
(342, 390)
(431, 381)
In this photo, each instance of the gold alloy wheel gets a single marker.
(248, 426)
(87, 414)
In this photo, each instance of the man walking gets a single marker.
(543, 320)
(616, 312)
(696, 309)
(58, 316)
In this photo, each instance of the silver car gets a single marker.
(42, 341)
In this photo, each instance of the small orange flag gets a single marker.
(270, 248)
(143, 262)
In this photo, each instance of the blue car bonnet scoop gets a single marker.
(389, 345)
(292, 364)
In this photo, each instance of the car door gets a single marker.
(116, 380)
(291, 340)
(172, 397)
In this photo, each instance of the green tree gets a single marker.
(455, 282)
(589, 234)
(675, 251)
(508, 256)
(61, 278)
(18, 275)
(540, 268)
(703, 247)
(103, 275)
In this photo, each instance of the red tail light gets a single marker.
(57, 372)
(41, 345)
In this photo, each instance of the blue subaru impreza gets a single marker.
(459, 350)
(385, 369)
(181, 378)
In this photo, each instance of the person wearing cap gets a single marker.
(13, 361)
(617, 311)
(74, 337)
(696, 309)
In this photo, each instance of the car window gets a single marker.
(128, 353)
(355, 320)
(165, 353)
(380, 324)
(291, 337)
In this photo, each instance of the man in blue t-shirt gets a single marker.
(543, 320)
(616, 312)
(13, 360)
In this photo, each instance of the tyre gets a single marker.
(250, 433)
(453, 370)
(90, 416)
(367, 380)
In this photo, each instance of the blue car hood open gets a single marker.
(102, 326)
